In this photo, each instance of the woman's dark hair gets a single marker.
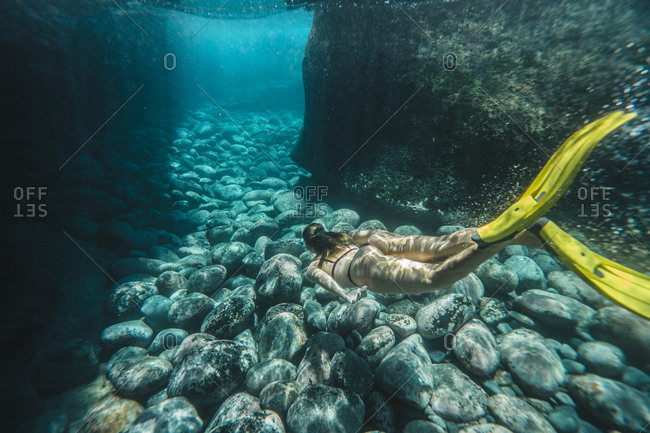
(323, 243)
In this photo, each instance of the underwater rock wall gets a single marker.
(439, 108)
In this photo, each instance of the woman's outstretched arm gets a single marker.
(319, 276)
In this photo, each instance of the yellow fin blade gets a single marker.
(626, 286)
(554, 178)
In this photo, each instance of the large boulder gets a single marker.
(553, 309)
(126, 300)
(476, 348)
(174, 415)
(320, 408)
(535, 365)
(134, 373)
(444, 315)
(441, 95)
(455, 396)
(279, 280)
(406, 373)
(624, 329)
(210, 370)
(613, 403)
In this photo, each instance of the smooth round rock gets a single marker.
(372, 225)
(406, 372)
(602, 358)
(291, 247)
(287, 201)
(379, 414)
(189, 312)
(553, 309)
(174, 415)
(517, 415)
(404, 306)
(126, 300)
(282, 337)
(476, 349)
(231, 255)
(344, 216)
(229, 192)
(351, 373)
(470, 286)
(229, 317)
(493, 311)
(111, 415)
(537, 368)
(573, 367)
(614, 403)
(206, 280)
(287, 307)
(156, 311)
(131, 333)
(444, 315)
(564, 419)
(407, 230)
(513, 250)
(623, 329)
(376, 345)
(315, 366)
(133, 373)
(252, 263)
(210, 370)
(242, 413)
(455, 396)
(220, 233)
(279, 280)
(401, 324)
(636, 378)
(315, 315)
(189, 344)
(485, 428)
(423, 426)
(547, 264)
(166, 339)
(169, 282)
(359, 316)
(569, 284)
(269, 371)
(530, 275)
(323, 408)
(497, 278)
(278, 396)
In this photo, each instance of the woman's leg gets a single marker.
(422, 248)
(417, 264)
(389, 274)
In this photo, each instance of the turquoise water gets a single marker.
(162, 161)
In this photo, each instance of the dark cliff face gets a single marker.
(447, 109)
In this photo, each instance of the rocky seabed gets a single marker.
(219, 330)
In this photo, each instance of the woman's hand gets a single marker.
(356, 294)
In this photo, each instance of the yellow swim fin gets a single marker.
(552, 181)
(626, 286)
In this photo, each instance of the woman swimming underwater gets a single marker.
(387, 262)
